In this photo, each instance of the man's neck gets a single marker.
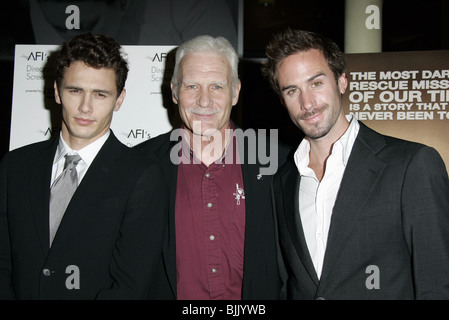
(321, 149)
(211, 148)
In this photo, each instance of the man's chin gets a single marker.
(206, 134)
(203, 132)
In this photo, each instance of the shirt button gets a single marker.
(211, 237)
(214, 270)
(46, 272)
(207, 175)
(209, 205)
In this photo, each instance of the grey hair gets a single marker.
(205, 43)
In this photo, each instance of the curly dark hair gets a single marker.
(96, 51)
(292, 41)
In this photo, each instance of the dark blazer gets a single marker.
(261, 276)
(111, 231)
(391, 212)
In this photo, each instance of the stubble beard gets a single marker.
(316, 130)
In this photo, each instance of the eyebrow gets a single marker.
(220, 83)
(288, 88)
(104, 91)
(214, 82)
(312, 78)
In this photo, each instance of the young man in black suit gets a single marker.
(106, 242)
(359, 215)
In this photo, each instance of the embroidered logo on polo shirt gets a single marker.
(239, 193)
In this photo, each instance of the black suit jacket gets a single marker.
(261, 276)
(391, 213)
(111, 231)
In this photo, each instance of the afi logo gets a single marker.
(52, 132)
(160, 56)
(138, 133)
(35, 56)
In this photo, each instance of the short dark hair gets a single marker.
(292, 41)
(96, 51)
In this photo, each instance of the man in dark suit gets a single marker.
(359, 215)
(221, 233)
(108, 242)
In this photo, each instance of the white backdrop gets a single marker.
(142, 115)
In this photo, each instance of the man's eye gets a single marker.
(316, 84)
(292, 92)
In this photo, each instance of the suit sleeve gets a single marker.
(6, 289)
(425, 203)
(138, 252)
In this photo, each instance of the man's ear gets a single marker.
(235, 97)
(281, 99)
(120, 99)
(173, 93)
(342, 83)
(57, 96)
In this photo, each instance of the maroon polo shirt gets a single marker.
(210, 227)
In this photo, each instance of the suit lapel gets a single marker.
(363, 166)
(40, 168)
(290, 180)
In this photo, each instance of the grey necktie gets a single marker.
(62, 191)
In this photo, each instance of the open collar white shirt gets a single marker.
(87, 154)
(317, 198)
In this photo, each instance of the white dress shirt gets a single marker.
(87, 154)
(317, 199)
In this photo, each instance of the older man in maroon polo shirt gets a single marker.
(210, 227)
(220, 242)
